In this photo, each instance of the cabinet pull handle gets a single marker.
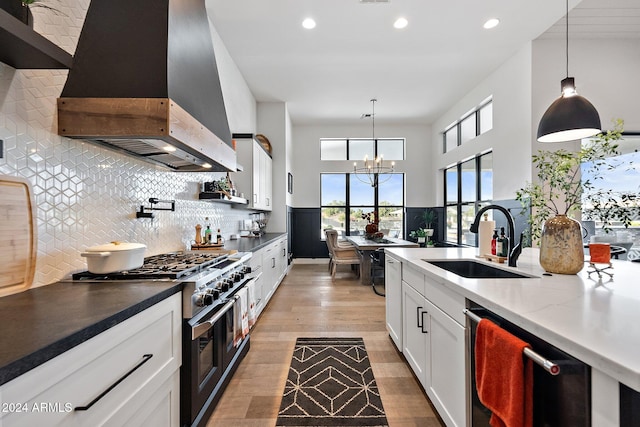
(145, 359)
(422, 326)
(273, 263)
(419, 316)
(255, 198)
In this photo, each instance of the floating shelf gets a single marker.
(221, 198)
(23, 48)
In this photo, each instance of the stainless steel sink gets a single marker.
(475, 270)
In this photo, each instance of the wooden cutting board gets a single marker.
(17, 235)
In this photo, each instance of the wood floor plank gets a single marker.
(309, 304)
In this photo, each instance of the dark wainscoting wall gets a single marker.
(305, 234)
(303, 225)
(413, 221)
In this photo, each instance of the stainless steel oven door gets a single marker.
(203, 359)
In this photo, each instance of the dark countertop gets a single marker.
(252, 244)
(41, 323)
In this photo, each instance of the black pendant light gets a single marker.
(571, 116)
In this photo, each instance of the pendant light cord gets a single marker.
(373, 121)
(567, 37)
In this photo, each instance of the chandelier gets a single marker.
(370, 171)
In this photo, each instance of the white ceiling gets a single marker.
(330, 73)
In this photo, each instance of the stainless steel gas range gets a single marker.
(211, 349)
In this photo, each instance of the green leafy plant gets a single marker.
(427, 217)
(560, 189)
(420, 232)
(40, 3)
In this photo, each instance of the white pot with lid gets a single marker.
(114, 256)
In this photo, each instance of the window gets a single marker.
(451, 138)
(621, 175)
(470, 126)
(344, 199)
(358, 148)
(334, 149)
(468, 187)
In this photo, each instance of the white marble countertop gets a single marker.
(598, 323)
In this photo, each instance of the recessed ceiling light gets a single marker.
(491, 23)
(400, 23)
(309, 23)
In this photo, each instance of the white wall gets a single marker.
(510, 138)
(306, 165)
(274, 123)
(606, 73)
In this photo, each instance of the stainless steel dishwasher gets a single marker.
(561, 383)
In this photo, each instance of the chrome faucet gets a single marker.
(513, 251)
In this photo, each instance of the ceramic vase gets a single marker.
(561, 247)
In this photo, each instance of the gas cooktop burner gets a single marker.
(164, 266)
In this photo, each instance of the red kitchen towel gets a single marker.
(503, 379)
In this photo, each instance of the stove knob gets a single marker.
(219, 285)
(225, 285)
(246, 269)
(199, 300)
(208, 299)
(214, 293)
(236, 277)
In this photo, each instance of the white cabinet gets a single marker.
(393, 299)
(446, 377)
(256, 269)
(255, 180)
(269, 271)
(272, 262)
(433, 340)
(415, 332)
(266, 180)
(282, 262)
(139, 358)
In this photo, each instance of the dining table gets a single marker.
(367, 246)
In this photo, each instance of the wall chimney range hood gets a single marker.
(144, 81)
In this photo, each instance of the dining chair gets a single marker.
(341, 254)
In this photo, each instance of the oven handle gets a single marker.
(202, 327)
(547, 365)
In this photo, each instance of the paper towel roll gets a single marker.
(485, 232)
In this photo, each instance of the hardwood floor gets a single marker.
(309, 304)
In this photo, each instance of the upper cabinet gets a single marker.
(23, 48)
(255, 180)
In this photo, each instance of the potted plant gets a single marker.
(371, 230)
(420, 235)
(427, 219)
(560, 193)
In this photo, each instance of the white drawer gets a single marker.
(413, 277)
(51, 391)
(445, 299)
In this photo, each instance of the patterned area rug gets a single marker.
(330, 383)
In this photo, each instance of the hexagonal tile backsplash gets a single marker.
(87, 195)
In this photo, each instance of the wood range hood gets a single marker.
(144, 81)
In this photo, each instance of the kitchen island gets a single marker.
(595, 322)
